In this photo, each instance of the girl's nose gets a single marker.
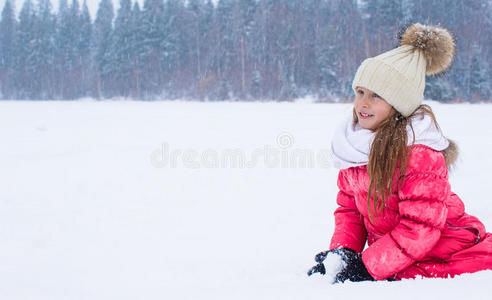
(365, 101)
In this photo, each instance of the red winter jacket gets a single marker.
(423, 229)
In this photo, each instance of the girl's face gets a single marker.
(370, 108)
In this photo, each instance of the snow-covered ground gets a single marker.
(137, 200)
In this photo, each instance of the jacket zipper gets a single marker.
(469, 228)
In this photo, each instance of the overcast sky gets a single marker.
(92, 5)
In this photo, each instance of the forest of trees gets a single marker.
(231, 50)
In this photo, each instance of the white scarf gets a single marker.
(350, 146)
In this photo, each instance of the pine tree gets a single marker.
(391, 16)
(225, 54)
(172, 43)
(103, 28)
(120, 52)
(208, 76)
(195, 7)
(7, 24)
(288, 48)
(308, 17)
(246, 33)
(264, 82)
(74, 55)
(24, 61)
(348, 24)
(136, 50)
(63, 46)
(84, 49)
(7, 31)
(480, 85)
(438, 88)
(44, 50)
(328, 62)
(152, 18)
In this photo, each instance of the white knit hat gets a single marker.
(398, 75)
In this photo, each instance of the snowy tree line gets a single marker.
(236, 49)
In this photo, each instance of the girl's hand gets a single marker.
(319, 268)
(353, 268)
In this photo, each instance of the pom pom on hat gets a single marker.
(436, 43)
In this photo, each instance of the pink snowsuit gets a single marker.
(423, 228)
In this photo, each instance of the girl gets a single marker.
(394, 160)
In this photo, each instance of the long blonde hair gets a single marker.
(389, 151)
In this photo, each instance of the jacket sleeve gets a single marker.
(350, 231)
(423, 216)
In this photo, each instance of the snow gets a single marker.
(89, 212)
(333, 264)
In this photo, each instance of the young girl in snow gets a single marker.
(393, 179)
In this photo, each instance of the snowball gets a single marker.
(333, 265)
